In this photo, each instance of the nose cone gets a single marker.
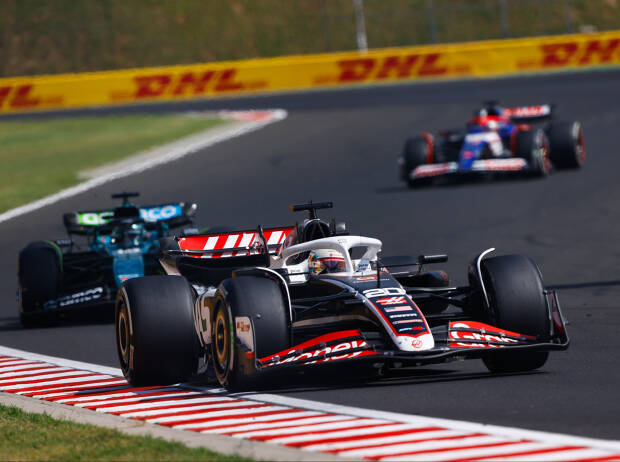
(421, 342)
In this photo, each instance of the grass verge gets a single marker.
(40, 157)
(26, 437)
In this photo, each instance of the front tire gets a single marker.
(567, 145)
(418, 151)
(155, 336)
(261, 300)
(517, 303)
(533, 146)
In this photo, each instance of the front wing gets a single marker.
(478, 166)
(94, 296)
(460, 339)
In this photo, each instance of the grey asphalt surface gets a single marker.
(342, 146)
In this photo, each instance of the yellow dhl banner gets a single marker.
(473, 59)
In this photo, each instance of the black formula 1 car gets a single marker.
(251, 305)
(57, 276)
(496, 140)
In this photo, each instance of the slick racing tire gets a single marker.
(39, 277)
(533, 146)
(418, 151)
(238, 299)
(518, 304)
(155, 336)
(567, 146)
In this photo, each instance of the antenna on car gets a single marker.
(311, 207)
(125, 196)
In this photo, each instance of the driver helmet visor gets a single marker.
(332, 264)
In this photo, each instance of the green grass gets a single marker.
(25, 437)
(49, 37)
(40, 157)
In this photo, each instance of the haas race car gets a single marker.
(496, 140)
(56, 276)
(244, 307)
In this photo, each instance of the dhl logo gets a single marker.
(394, 66)
(21, 97)
(590, 52)
(191, 83)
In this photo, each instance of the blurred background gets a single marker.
(45, 37)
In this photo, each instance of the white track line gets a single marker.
(171, 151)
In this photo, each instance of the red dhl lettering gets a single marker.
(590, 52)
(189, 83)
(18, 96)
(361, 69)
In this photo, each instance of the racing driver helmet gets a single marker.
(322, 261)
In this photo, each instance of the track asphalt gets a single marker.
(342, 146)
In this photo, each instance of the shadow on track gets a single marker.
(76, 319)
(478, 181)
(349, 379)
(583, 285)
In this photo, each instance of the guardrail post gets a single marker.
(503, 17)
(360, 25)
(432, 24)
(328, 41)
(568, 7)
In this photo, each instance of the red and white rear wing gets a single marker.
(529, 112)
(234, 244)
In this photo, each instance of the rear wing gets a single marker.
(234, 243)
(211, 258)
(173, 214)
(530, 113)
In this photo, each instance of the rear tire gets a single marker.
(261, 300)
(516, 295)
(416, 153)
(39, 277)
(533, 146)
(566, 144)
(155, 336)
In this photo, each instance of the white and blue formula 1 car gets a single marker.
(495, 141)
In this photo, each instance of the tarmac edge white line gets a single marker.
(179, 149)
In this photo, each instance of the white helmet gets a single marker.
(326, 261)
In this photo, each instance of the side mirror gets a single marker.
(428, 259)
(340, 229)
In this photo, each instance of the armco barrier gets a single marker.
(474, 59)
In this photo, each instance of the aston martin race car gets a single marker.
(496, 140)
(58, 276)
(246, 307)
